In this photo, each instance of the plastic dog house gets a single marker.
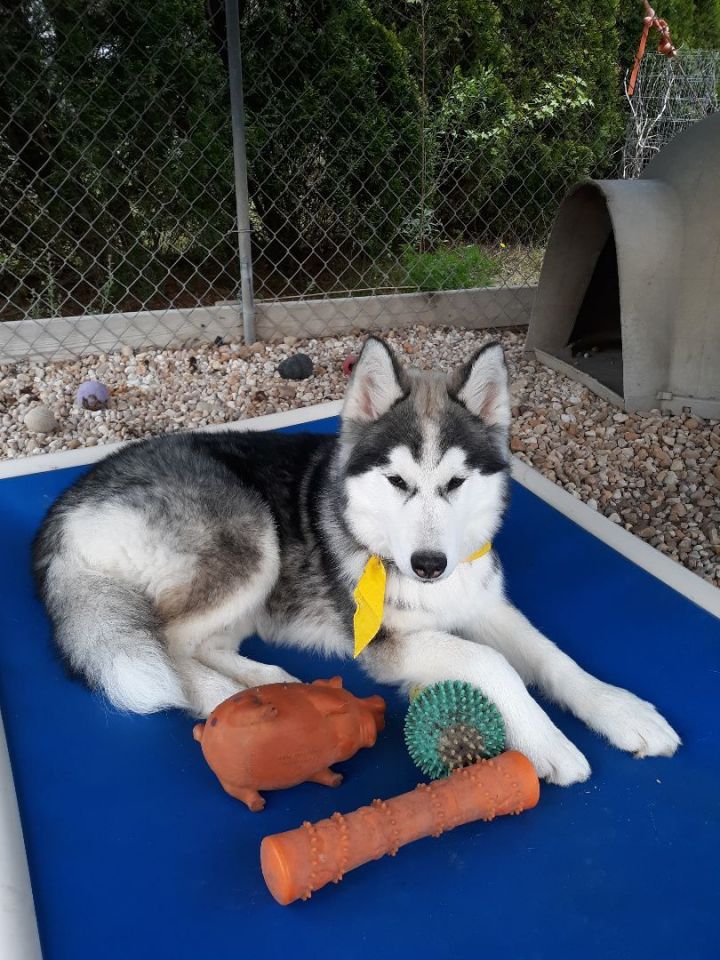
(629, 296)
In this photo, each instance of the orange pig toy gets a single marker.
(282, 734)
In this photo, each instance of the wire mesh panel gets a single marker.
(670, 95)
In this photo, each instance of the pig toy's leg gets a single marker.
(327, 777)
(251, 798)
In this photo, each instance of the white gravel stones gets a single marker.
(658, 476)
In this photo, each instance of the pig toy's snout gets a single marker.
(198, 731)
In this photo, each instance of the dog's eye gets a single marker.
(398, 482)
(455, 483)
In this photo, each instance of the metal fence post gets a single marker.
(237, 109)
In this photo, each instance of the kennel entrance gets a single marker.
(628, 294)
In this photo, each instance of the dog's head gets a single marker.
(425, 457)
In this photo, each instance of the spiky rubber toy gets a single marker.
(450, 725)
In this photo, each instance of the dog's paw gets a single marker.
(630, 723)
(278, 675)
(555, 758)
(252, 674)
(562, 764)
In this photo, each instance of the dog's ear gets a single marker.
(377, 382)
(482, 386)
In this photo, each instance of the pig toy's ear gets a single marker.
(324, 698)
(332, 682)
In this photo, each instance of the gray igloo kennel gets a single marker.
(629, 296)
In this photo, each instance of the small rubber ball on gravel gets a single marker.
(92, 395)
(297, 367)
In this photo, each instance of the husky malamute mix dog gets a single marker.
(160, 560)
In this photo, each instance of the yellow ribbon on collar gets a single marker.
(369, 597)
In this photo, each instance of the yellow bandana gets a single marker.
(370, 599)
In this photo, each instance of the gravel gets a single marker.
(656, 475)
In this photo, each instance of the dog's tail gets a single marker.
(108, 632)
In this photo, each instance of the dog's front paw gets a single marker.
(278, 675)
(554, 757)
(630, 723)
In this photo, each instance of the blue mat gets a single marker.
(135, 851)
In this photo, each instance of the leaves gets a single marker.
(448, 268)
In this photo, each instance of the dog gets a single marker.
(158, 562)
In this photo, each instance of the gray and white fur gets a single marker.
(157, 563)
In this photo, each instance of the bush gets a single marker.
(331, 127)
(564, 64)
(517, 101)
(117, 136)
(448, 268)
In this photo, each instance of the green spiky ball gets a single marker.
(451, 724)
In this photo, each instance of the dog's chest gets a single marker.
(448, 605)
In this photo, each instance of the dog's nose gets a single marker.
(427, 564)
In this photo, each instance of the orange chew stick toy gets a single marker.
(297, 863)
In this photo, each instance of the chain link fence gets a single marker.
(394, 148)
(116, 173)
(396, 153)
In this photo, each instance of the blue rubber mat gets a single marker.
(136, 852)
